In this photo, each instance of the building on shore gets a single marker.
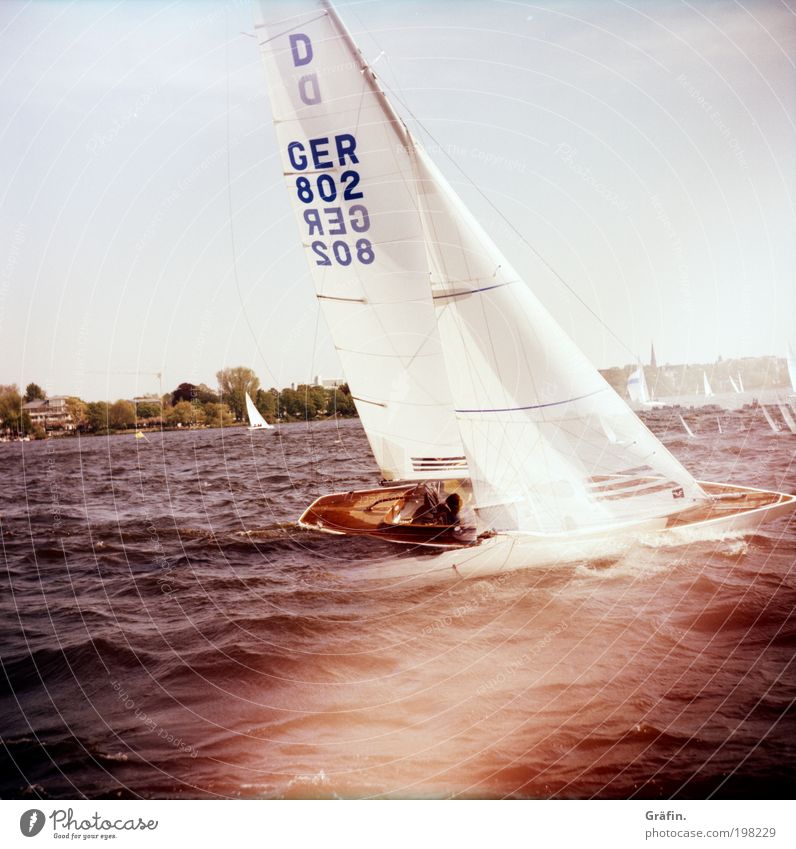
(50, 413)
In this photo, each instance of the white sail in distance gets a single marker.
(771, 423)
(791, 360)
(787, 417)
(471, 365)
(352, 187)
(734, 385)
(256, 421)
(637, 386)
(706, 385)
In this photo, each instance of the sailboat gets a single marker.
(638, 392)
(706, 385)
(787, 417)
(499, 444)
(769, 418)
(734, 385)
(791, 361)
(256, 421)
(686, 428)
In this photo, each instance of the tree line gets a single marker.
(189, 405)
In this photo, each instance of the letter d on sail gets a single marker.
(301, 48)
(308, 89)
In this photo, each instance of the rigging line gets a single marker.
(510, 224)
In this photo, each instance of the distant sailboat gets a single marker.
(740, 383)
(734, 385)
(638, 392)
(256, 421)
(787, 417)
(706, 385)
(771, 423)
(791, 359)
(498, 442)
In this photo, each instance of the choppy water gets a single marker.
(167, 631)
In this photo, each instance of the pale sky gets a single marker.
(646, 149)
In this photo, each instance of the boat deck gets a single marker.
(390, 513)
(377, 512)
(730, 501)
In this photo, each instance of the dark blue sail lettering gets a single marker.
(301, 48)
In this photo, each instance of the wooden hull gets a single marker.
(738, 510)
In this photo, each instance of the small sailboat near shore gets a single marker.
(256, 420)
(500, 446)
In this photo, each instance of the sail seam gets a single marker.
(535, 406)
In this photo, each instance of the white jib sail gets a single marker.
(352, 187)
(791, 358)
(637, 387)
(787, 417)
(706, 385)
(256, 421)
(771, 423)
(550, 445)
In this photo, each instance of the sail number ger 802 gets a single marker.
(327, 220)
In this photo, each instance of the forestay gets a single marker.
(351, 184)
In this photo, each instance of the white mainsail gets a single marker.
(256, 421)
(740, 383)
(734, 385)
(706, 385)
(471, 372)
(352, 187)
